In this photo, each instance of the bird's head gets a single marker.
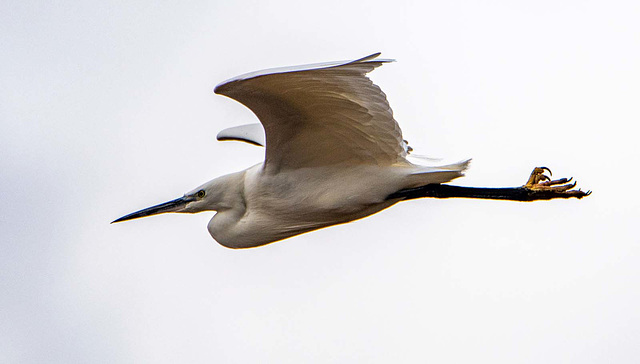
(207, 197)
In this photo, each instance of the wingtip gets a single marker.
(224, 86)
(373, 56)
(369, 57)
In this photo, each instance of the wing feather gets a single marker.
(250, 133)
(321, 114)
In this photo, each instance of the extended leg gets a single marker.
(538, 187)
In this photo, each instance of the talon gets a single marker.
(567, 187)
(537, 176)
(560, 181)
(540, 183)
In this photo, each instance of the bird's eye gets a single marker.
(201, 194)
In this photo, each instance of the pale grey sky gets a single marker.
(107, 107)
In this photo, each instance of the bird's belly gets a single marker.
(261, 227)
(291, 204)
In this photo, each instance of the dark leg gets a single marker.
(538, 187)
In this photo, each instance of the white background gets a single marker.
(107, 107)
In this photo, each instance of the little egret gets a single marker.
(334, 154)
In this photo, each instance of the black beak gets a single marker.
(171, 206)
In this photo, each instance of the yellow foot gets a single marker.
(560, 188)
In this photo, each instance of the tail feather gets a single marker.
(437, 174)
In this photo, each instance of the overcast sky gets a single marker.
(107, 107)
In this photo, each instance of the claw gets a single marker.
(556, 182)
(567, 187)
(547, 169)
(541, 183)
(537, 176)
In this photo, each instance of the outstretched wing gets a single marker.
(250, 133)
(321, 114)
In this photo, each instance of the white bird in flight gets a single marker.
(334, 154)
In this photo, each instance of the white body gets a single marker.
(261, 208)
